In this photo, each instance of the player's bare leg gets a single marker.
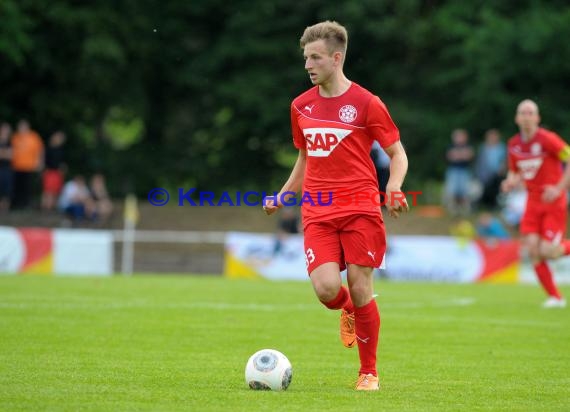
(550, 250)
(328, 287)
(540, 250)
(367, 324)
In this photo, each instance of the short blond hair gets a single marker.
(334, 35)
(529, 102)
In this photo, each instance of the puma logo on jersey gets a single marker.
(321, 141)
(372, 255)
(529, 167)
(309, 108)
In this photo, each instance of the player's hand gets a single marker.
(396, 203)
(271, 205)
(507, 185)
(551, 193)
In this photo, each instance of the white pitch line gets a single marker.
(259, 307)
(151, 305)
(213, 305)
(98, 304)
(476, 321)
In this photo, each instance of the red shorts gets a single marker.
(52, 181)
(546, 219)
(357, 239)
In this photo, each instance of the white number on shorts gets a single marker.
(310, 256)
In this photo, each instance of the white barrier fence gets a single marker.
(81, 251)
(427, 258)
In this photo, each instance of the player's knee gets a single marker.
(326, 291)
(547, 250)
(534, 255)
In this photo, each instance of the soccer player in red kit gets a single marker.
(334, 125)
(537, 156)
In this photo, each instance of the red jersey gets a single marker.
(337, 133)
(539, 161)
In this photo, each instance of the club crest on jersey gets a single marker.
(535, 149)
(347, 113)
(321, 141)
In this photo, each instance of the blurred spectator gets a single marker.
(514, 205)
(288, 224)
(27, 161)
(75, 200)
(490, 168)
(100, 196)
(54, 171)
(382, 163)
(5, 167)
(459, 156)
(463, 230)
(490, 227)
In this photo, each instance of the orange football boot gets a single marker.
(347, 331)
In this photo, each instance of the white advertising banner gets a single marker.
(423, 258)
(433, 258)
(83, 252)
(259, 255)
(12, 250)
(41, 251)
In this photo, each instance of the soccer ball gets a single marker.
(268, 369)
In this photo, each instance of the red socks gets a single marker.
(546, 279)
(367, 325)
(342, 301)
(367, 322)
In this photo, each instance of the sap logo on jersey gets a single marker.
(321, 141)
(529, 167)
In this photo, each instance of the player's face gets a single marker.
(319, 63)
(527, 116)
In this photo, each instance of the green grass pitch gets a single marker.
(177, 343)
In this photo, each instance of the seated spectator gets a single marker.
(75, 200)
(489, 227)
(100, 195)
(5, 167)
(463, 230)
(52, 177)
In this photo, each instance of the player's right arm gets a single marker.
(511, 181)
(513, 178)
(291, 186)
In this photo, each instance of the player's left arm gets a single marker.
(381, 126)
(552, 192)
(396, 202)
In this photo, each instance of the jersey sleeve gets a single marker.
(298, 137)
(380, 124)
(555, 145)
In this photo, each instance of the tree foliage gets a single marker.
(197, 94)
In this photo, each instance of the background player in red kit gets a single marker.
(537, 156)
(334, 125)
